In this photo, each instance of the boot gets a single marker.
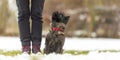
(26, 49)
(35, 48)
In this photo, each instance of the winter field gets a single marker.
(75, 49)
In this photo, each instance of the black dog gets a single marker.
(55, 38)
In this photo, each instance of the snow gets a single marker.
(90, 56)
(93, 44)
(13, 43)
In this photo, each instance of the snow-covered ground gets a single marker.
(13, 43)
(90, 56)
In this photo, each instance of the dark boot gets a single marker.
(26, 49)
(36, 48)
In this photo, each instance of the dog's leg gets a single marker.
(47, 41)
(60, 44)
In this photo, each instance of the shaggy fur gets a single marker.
(55, 38)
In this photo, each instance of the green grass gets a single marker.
(76, 52)
(108, 51)
(10, 53)
(72, 52)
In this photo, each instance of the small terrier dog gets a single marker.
(55, 38)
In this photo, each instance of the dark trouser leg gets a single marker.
(36, 15)
(23, 21)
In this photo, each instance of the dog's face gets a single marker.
(60, 17)
(59, 20)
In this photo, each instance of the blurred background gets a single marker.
(88, 18)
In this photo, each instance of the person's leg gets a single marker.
(36, 15)
(23, 24)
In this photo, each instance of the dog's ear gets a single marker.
(54, 16)
(66, 19)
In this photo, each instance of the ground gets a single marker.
(74, 49)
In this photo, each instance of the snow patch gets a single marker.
(90, 56)
(13, 43)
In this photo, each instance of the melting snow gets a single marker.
(13, 43)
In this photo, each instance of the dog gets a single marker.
(55, 38)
